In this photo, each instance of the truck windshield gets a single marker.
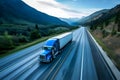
(47, 48)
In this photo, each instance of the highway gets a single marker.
(79, 60)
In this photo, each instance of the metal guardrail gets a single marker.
(113, 68)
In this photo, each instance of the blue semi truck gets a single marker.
(53, 46)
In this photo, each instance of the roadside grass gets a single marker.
(23, 46)
(115, 59)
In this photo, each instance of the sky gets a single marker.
(71, 8)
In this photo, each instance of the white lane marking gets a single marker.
(52, 68)
(81, 74)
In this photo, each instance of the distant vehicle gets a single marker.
(53, 46)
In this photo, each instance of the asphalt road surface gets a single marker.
(79, 60)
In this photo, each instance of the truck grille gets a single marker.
(42, 57)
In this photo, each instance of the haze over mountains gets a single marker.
(17, 12)
(96, 18)
(100, 16)
(71, 21)
(93, 16)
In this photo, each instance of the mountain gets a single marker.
(107, 30)
(92, 17)
(104, 16)
(70, 21)
(17, 12)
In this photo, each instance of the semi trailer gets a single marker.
(53, 46)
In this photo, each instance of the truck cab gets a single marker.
(54, 45)
(49, 50)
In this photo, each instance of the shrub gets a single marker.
(105, 34)
(6, 42)
(23, 39)
(34, 34)
(15, 40)
(114, 32)
(107, 22)
(93, 28)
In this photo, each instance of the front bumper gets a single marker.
(44, 60)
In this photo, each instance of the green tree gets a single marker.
(23, 39)
(107, 22)
(36, 27)
(105, 33)
(8, 38)
(113, 31)
(102, 26)
(117, 21)
(6, 42)
(34, 34)
(28, 29)
(119, 27)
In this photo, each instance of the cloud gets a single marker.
(51, 7)
(57, 5)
